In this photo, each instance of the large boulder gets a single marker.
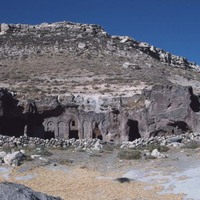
(14, 158)
(13, 191)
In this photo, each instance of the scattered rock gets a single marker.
(13, 159)
(35, 156)
(127, 65)
(81, 45)
(175, 139)
(155, 153)
(123, 180)
(2, 154)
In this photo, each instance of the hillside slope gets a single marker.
(86, 83)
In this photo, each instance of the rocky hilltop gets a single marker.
(70, 80)
(20, 41)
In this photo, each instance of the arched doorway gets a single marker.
(73, 129)
(49, 132)
(96, 133)
(61, 129)
(133, 131)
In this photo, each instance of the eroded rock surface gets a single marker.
(159, 111)
(13, 191)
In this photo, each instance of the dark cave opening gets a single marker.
(194, 104)
(179, 126)
(12, 126)
(97, 133)
(73, 134)
(133, 130)
(73, 129)
(49, 135)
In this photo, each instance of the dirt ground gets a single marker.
(78, 175)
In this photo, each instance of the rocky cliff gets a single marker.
(72, 80)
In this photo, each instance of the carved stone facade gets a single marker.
(77, 124)
(163, 110)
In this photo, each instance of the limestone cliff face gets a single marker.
(113, 87)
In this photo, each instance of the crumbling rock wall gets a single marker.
(168, 110)
(162, 110)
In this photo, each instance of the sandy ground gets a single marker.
(87, 184)
(94, 177)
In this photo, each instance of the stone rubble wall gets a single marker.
(14, 158)
(94, 144)
(33, 142)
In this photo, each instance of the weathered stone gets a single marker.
(13, 191)
(81, 45)
(127, 65)
(2, 154)
(155, 153)
(13, 159)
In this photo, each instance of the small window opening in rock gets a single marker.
(73, 123)
(133, 130)
(115, 118)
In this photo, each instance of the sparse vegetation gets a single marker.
(66, 162)
(192, 145)
(108, 148)
(128, 154)
(95, 154)
(160, 148)
(38, 151)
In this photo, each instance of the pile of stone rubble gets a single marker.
(32, 142)
(14, 158)
(171, 140)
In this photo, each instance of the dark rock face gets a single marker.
(13, 191)
(169, 110)
(162, 110)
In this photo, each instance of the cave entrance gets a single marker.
(194, 104)
(179, 127)
(96, 133)
(12, 126)
(49, 135)
(73, 129)
(133, 132)
(49, 130)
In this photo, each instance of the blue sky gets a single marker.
(173, 25)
